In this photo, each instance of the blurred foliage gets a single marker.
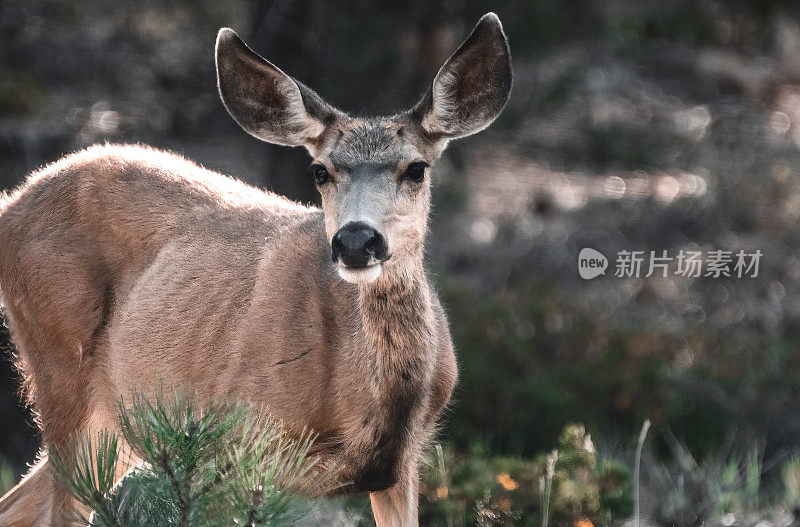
(7, 477)
(538, 364)
(463, 489)
(692, 492)
(20, 93)
(791, 481)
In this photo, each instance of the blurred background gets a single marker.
(633, 125)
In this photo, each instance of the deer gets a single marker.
(123, 266)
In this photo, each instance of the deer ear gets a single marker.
(472, 87)
(265, 101)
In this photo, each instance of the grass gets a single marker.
(7, 477)
(576, 487)
(637, 513)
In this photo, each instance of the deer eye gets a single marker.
(416, 171)
(321, 174)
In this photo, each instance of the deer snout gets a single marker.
(358, 245)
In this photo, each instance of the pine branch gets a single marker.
(202, 465)
(183, 504)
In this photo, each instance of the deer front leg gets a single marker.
(397, 505)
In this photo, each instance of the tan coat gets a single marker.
(125, 268)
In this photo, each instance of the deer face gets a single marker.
(373, 174)
(375, 187)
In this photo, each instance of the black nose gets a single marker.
(355, 243)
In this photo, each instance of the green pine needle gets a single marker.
(227, 464)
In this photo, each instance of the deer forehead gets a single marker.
(378, 142)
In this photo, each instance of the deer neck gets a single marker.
(397, 321)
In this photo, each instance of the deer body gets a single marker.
(123, 268)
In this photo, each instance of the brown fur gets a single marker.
(126, 268)
(107, 289)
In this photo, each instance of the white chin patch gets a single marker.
(360, 276)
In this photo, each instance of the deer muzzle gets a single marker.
(359, 250)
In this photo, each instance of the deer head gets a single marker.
(372, 173)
